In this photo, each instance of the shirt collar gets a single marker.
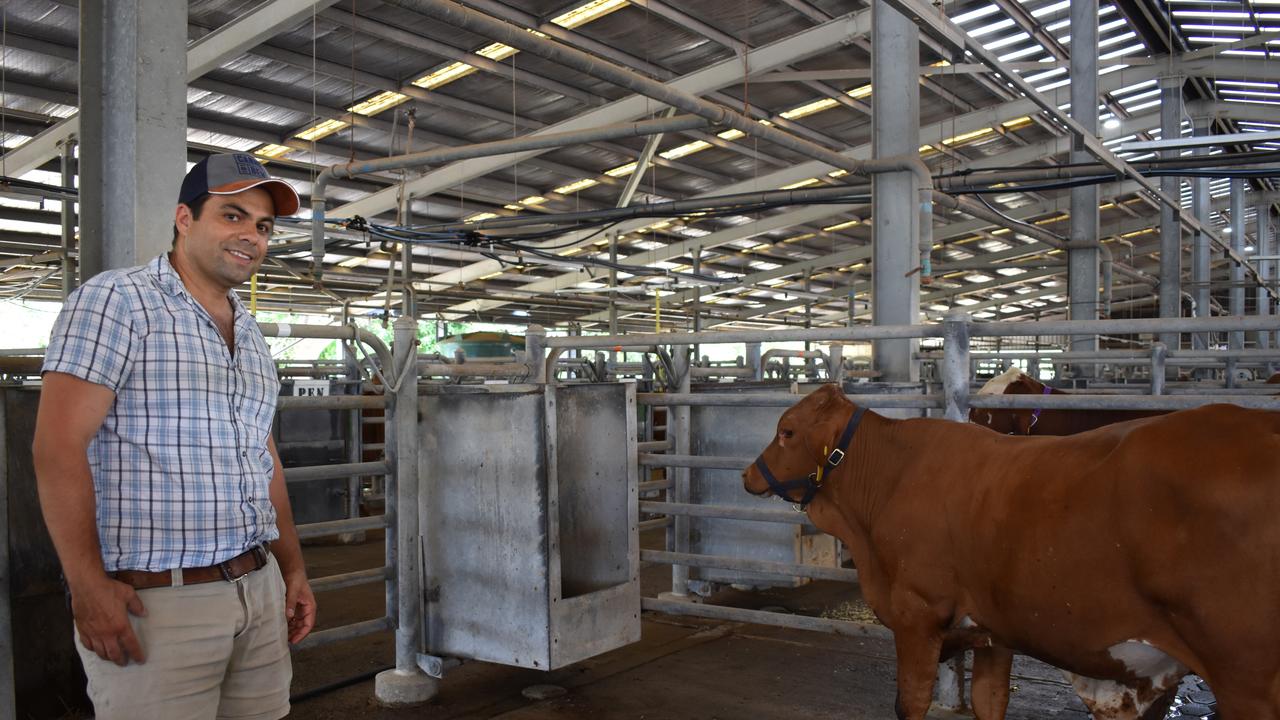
(167, 279)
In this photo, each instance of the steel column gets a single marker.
(1236, 293)
(895, 131)
(1200, 259)
(1170, 219)
(1082, 258)
(678, 429)
(68, 217)
(1265, 267)
(407, 684)
(133, 100)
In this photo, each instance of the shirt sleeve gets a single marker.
(94, 337)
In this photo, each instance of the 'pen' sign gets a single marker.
(311, 388)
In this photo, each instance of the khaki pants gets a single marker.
(214, 650)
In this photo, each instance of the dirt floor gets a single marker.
(683, 668)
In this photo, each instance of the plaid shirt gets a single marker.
(180, 465)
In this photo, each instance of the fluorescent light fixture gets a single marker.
(1111, 123)
(837, 173)
(497, 51)
(686, 149)
(446, 74)
(622, 170)
(322, 129)
(587, 12)
(810, 108)
(481, 216)
(575, 186)
(842, 226)
(378, 103)
(271, 150)
(533, 200)
(513, 207)
(731, 134)
(802, 183)
(520, 313)
(859, 92)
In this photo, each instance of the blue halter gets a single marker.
(813, 482)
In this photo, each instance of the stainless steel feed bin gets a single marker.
(528, 512)
(744, 432)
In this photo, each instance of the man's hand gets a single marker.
(299, 606)
(101, 611)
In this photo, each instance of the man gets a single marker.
(158, 477)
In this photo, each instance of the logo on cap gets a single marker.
(248, 166)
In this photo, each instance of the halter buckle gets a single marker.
(836, 457)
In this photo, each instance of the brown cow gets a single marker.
(1039, 421)
(1274, 379)
(1125, 555)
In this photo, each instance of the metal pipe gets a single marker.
(1201, 262)
(68, 218)
(1236, 292)
(350, 579)
(330, 402)
(781, 400)
(1080, 401)
(345, 632)
(457, 15)
(334, 471)
(746, 565)
(680, 434)
(464, 370)
(463, 152)
(955, 367)
(732, 512)
(709, 462)
(762, 617)
(335, 527)
(408, 573)
(8, 699)
(330, 332)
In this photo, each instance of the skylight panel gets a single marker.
(575, 186)
(1007, 41)
(686, 149)
(981, 12)
(1051, 9)
(991, 27)
(1126, 50)
(587, 12)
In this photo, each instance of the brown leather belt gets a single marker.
(231, 570)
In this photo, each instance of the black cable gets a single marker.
(337, 685)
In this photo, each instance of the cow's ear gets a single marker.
(826, 394)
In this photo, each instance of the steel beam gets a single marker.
(1201, 262)
(1082, 258)
(1236, 292)
(1264, 248)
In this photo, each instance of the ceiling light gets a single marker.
(1111, 123)
(622, 170)
(731, 134)
(513, 206)
(802, 183)
(533, 200)
(520, 313)
(843, 225)
(323, 129)
(686, 149)
(497, 51)
(271, 150)
(810, 108)
(837, 173)
(443, 75)
(859, 92)
(575, 186)
(587, 12)
(481, 216)
(378, 103)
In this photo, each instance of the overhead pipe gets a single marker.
(457, 15)
(463, 152)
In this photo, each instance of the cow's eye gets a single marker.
(786, 434)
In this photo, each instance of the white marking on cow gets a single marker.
(966, 622)
(997, 384)
(1110, 700)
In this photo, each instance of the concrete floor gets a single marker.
(683, 668)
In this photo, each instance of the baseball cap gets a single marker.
(231, 173)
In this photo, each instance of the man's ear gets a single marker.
(182, 218)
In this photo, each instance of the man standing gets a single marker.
(158, 477)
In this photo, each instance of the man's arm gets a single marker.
(299, 602)
(71, 411)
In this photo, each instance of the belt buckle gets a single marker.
(225, 568)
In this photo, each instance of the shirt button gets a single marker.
(244, 453)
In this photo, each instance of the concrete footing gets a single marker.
(399, 688)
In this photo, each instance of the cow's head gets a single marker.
(1009, 422)
(805, 448)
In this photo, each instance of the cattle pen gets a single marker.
(718, 541)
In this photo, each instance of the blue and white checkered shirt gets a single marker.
(180, 466)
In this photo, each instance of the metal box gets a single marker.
(745, 432)
(528, 513)
(306, 437)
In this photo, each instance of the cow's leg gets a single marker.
(992, 667)
(918, 655)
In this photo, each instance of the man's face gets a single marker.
(227, 243)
